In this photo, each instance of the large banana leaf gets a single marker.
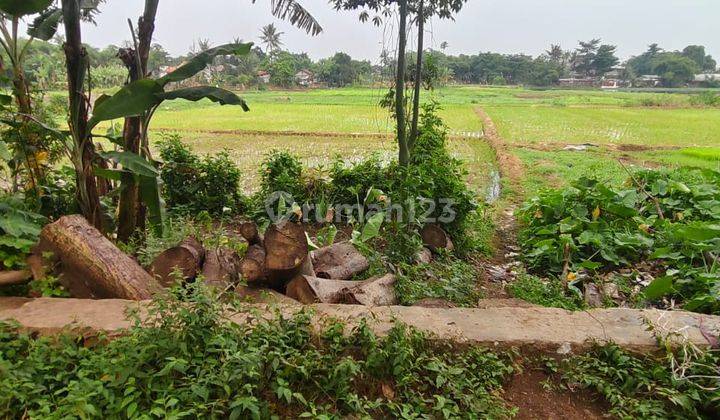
(46, 24)
(132, 162)
(20, 8)
(221, 96)
(200, 61)
(150, 195)
(132, 100)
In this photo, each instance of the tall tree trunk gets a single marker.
(418, 77)
(131, 214)
(76, 61)
(404, 153)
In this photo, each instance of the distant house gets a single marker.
(305, 78)
(579, 82)
(706, 79)
(263, 76)
(647, 80)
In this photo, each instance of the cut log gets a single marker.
(221, 268)
(340, 261)
(308, 289)
(187, 258)
(252, 267)
(249, 294)
(90, 266)
(286, 253)
(249, 231)
(435, 238)
(377, 291)
(12, 278)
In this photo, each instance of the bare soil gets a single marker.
(534, 401)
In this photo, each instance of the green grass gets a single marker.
(557, 168)
(623, 125)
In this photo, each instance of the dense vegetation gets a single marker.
(190, 361)
(667, 218)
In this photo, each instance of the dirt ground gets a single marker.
(535, 402)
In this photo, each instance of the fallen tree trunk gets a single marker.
(90, 266)
(286, 253)
(252, 267)
(377, 291)
(310, 289)
(186, 258)
(340, 261)
(12, 278)
(435, 238)
(249, 231)
(221, 268)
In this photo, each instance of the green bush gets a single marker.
(550, 292)
(671, 216)
(19, 231)
(705, 99)
(444, 278)
(192, 184)
(187, 360)
(682, 385)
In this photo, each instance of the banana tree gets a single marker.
(29, 147)
(140, 99)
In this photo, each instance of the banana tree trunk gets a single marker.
(404, 152)
(76, 60)
(131, 211)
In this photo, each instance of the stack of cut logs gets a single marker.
(278, 266)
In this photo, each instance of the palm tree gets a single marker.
(270, 37)
(444, 46)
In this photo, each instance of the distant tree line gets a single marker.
(590, 59)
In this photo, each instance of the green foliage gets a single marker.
(445, 278)
(434, 176)
(192, 184)
(650, 387)
(189, 361)
(548, 292)
(706, 98)
(671, 216)
(19, 231)
(282, 171)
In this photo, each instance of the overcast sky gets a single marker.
(506, 26)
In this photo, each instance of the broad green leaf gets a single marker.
(131, 101)
(5, 99)
(200, 61)
(111, 174)
(659, 288)
(372, 227)
(132, 162)
(221, 96)
(698, 232)
(20, 8)
(150, 195)
(5, 151)
(46, 24)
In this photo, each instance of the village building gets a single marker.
(305, 78)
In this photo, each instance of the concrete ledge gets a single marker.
(543, 329)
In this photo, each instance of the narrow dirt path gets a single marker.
(499, 270)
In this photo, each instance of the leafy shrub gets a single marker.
(189, 361)
(282, 171)
(671, 216)
(192, 184)
(351, 182)
(19, 231)
(705, 99)
(548, 292)
(445, 278)
(649, 387)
